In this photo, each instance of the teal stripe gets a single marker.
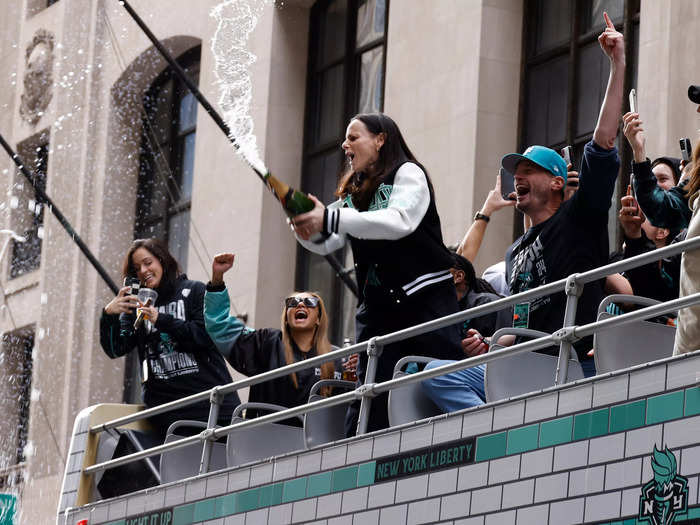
(491, 446)
(522, 439)
(556, 432)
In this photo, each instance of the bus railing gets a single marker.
(565, 336)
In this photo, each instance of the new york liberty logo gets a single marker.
(665, 496)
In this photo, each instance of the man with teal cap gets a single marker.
(566, 236)
(570, 236)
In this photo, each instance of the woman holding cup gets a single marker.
(177, 356)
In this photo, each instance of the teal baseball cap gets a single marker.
(545, 158)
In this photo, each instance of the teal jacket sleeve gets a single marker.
(224, 329)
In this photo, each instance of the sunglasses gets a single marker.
(310, 302)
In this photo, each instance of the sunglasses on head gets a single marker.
(310, 301)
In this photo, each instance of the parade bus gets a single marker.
(548, 447)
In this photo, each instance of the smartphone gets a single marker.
(507, 185)
(133, 283)
(566, 154)
(633, 100)
(686, 149)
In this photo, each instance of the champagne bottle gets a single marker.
(293, 201)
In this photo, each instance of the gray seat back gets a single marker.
(523, 373)
(409, 403)
(183, 463)
(264, 441)
(327, 424)
(633, 343)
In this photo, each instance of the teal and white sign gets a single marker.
(8, 503)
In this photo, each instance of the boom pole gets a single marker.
(335, 264)
(39, 192)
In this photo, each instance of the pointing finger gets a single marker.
(608, 22)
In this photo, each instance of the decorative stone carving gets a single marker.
(38, 77)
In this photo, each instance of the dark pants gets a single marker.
(385, 317)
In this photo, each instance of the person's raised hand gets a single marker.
(612, 42)
(474, 344)
(571, 182)
(495, 201)
(123, 303)
(631, 216)
(634, 133)
(220, 265)
(309, 223)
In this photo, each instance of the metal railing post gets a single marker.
(215, 399)
(573, 291)
(367, 390)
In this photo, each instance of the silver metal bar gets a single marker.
(374, 351)
(230, 387)
(582, 278)
(638, 260)
(644, 313)
(534, 344)
(339, 399)
(215, 401)
(573, 292)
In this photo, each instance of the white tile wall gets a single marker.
(354, 500)
(541, 407)
(504, 469)
(508, 415)
(552, 487)
(566, 512)
(603, 506)
(455, 505)
(486, 500)
(536, 462)
(409, 489)
(426, 511)
(518, 494)
(381, 494)
(642, 440)
(304, 510)
(586, 480)
(329, 505)
(442, 482)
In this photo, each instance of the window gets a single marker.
(27, 208)
(346, 76)
(15, 386)
(566, 73)
(167, 159)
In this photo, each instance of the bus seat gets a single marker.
(409, 403)
(327, 424)
(633, 343)
(523, 373)
(183, 463)
(271, 439)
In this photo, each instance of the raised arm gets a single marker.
(613, 45)
(469, 247)
(406, 207)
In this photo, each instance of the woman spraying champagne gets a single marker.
(386, 209)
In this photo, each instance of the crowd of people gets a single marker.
(406, 275)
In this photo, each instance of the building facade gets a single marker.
(121, 148)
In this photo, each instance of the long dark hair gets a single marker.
(474, 283)
(157, 248)
(361, 186)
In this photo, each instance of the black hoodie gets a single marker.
(182, 359)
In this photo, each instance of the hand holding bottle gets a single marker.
(310, 223)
